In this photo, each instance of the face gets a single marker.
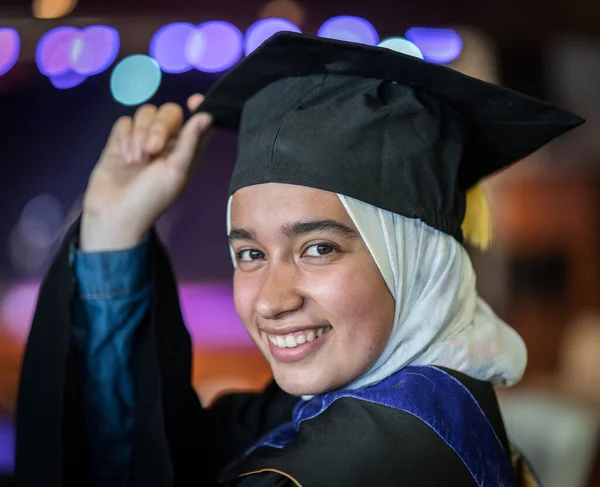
(306, 287)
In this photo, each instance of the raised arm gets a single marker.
(67, 429)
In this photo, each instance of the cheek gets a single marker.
(359, 306)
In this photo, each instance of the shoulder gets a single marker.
(369, 443)
(357, 441)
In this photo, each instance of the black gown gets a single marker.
(176, 442)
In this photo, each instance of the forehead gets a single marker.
(275, 203)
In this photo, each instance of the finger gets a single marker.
(142, 120)
(194, 133)
(166, 124)
(194, 101)
(118, 141)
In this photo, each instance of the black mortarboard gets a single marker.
(385, 128)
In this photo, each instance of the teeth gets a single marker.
(291, 341)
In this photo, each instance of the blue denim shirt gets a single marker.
(113, 297)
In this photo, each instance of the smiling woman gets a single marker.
(304, 274)
(347, 212)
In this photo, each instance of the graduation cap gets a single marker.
(379, 126)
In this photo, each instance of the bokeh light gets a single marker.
(10, 47)
(348, 28)
(67, 80)
(47, 210)
(52, 9)
(31, 243)
(93, 50)
(438, 46)
(28, 259)
(283, 9)
(53, 51)
(202, 305)
(261, 30)
(168, 47)
(400, 44)
(17, 309)
(214, 46)
(7, 446)
(135, 79)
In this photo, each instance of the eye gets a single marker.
(320, 250)
(248, 255)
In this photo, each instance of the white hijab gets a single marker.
(439, 319)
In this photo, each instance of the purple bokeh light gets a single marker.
(348, 28)
(7, 446)
(94, 50)
(260, 31)
(214, 46)
(210, 315)
(10, 47)
(53, 51)
(168, 46)
(67, 80)
(439, 46)
(207, 308)
(17, 309)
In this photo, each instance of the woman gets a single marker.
(345, 226)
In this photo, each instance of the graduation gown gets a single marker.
(244, 439)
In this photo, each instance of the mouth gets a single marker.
(296, 346)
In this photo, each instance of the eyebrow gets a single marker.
(240, 234)
(300, 228)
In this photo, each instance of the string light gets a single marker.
(261, 30)
(52, 9)
(135, 79)
(67, 55)
(400, 44)
(10, 47)
(438, 46)
(214, 46)
(351, 29)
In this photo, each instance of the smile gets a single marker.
(293, 347)
(294, 340)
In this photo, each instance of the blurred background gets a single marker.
(70, 68)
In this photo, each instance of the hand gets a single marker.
(146, 165)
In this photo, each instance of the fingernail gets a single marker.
(204, 121)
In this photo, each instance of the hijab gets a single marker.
(439, 319)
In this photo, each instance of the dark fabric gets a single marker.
(174, 440)
(375, 141)
(367, 441)
(385, 128)
(434, 397)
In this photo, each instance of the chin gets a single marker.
(303, 384)
(300, 389)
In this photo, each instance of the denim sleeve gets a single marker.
(112, 299)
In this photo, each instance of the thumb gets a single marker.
(193, 134)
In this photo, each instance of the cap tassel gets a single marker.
(477, 224)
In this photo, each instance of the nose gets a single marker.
(278, 293)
